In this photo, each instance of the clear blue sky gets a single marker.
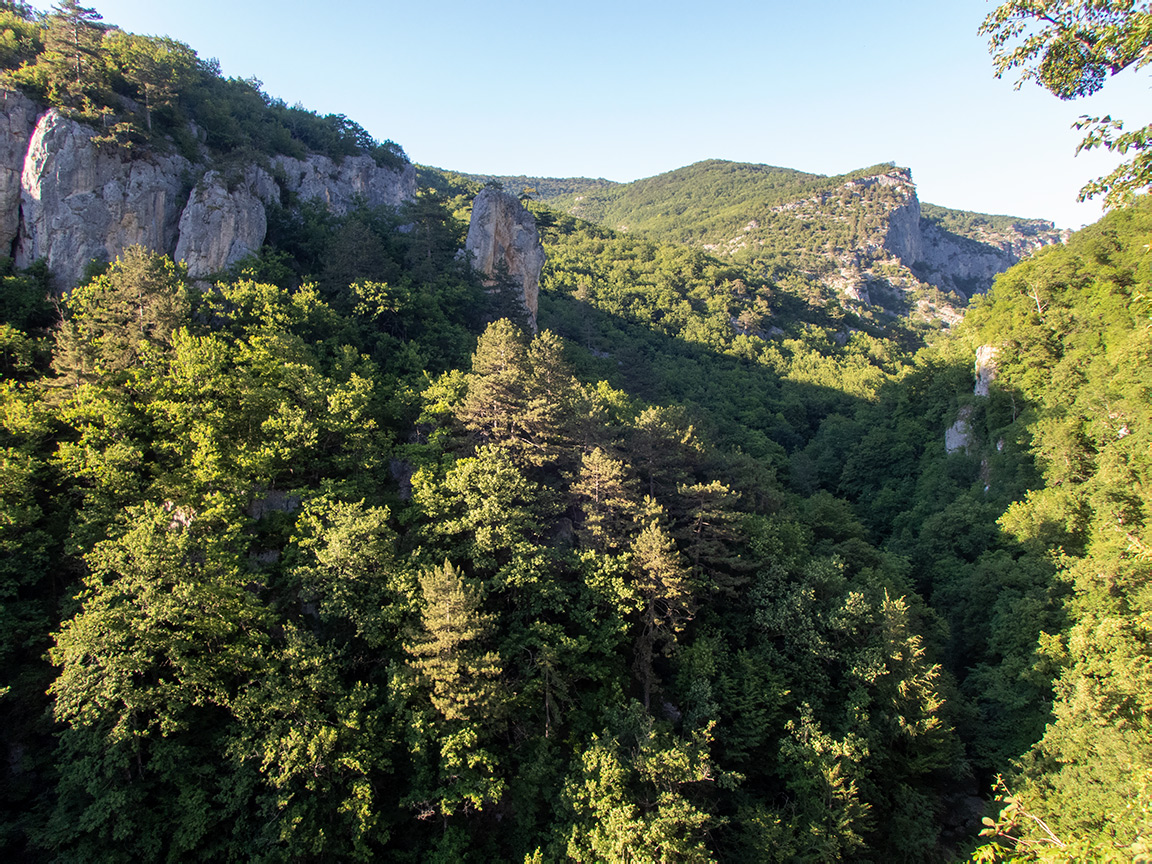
(631, 88)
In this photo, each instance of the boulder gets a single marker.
(340, 186)
(221, 225)
(80, 201)
(18, 116)
(504, 243)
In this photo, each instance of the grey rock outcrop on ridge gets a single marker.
(224, 222)
(220, 226)
(340, 186)
(903, 238)
(954, 262)
(18, 116)
(504, 243)
(68, 200)
(79, 202)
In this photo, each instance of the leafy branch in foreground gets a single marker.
(1070, 48)
(1015, 829)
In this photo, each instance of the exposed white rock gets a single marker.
(81, 202)
(340, 186)
(503, 240)
(985, 368)
(958, 436)
(18, 116)
(220, 226)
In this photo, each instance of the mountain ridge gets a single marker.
(863, 233)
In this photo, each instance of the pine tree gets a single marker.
(461, 679)
(664, 585)
(496, 403)
(607, 498)
(72, 53)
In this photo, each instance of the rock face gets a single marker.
(220, 226)
(985, 368)
(340, 186)
(503, 242)
(958, 436)
(903, 238)
(67, 200)
(18, 116)
(79, 202)
(954, 262)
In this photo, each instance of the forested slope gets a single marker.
(330, 560)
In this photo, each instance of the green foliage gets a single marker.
(21, 38)
(123, 319)
(155, 89)
(631, 801)
(1071, 49)
(1073, 329)
(334, 572)
(975, 225)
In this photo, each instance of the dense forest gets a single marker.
(333, 559)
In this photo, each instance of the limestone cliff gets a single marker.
(69, 200)
(219, 226)
(340, 186)
(18, 116)
(504, 243)
(964, 260)
(80, 202)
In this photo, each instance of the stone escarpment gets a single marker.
(897, 252)
(964, 263)
(224, 222)
(79, 202)
(68, 200)
(504, 244)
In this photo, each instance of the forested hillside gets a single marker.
(863, 235)
(329, 559)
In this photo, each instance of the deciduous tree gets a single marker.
(1071, 48)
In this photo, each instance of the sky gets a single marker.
(624, 89)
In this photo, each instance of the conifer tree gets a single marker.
(664, 586)
(72, 52)
(122, 318)
(461, 678)
(496, 403)
(608, 500)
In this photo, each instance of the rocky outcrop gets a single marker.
(80, 202)
(903, 238)
(958, 436)
(504, 244)
(68, 200)
(18, 116)
(959, 264)
(962, 263)
(340, 186)
(224, 221)
(986, 368)
(219, 225)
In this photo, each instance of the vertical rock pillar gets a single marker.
(504, 243)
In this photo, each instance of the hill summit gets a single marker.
(866, 234)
